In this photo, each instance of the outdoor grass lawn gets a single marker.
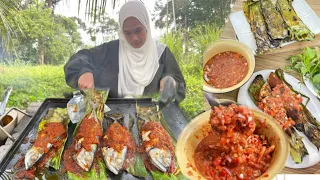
(36, 83)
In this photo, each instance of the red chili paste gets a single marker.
(89, 129)
(52, 133)
(281, 103)
(117, 137)
(225, 69)
(238, 153)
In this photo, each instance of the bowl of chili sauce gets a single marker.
(254, 147)
(227, 65)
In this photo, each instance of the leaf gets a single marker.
(303, 70)
(298, 66)
(293, 59)
(309, 53)
(92, 174)
(316, 79)
(157, 175)
(138, 168)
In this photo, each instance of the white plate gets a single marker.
(313, 106)
(244, 34)
(311, 86)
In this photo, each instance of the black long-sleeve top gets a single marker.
(103, 62)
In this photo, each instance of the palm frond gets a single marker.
(95, 8)
(8, 9)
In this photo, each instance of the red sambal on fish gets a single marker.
(88, 134)
(156, 138)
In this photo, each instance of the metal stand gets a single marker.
(6, 113)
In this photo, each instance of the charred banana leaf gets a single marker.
(258, 27)
(297, 29)
(255, 88)
(158, 144)
(275, 24)
(297, 148)
(309, 117)
(51, 137)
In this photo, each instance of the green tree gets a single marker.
(46, 39)
(189, 13)
(105, 28)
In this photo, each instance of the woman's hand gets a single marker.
(167, 89)
(86, 81)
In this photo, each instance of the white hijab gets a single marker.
(137, 67)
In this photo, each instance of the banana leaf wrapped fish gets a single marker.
(277, 98)
(49, 144)
(275, 24)
(253, 13)
(119, 149)
(158, 145)
(80, 159)
(297, 29)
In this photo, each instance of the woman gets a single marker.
(134, 65)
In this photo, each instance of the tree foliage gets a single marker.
(189, 13)
(105, 29)
(46, 39)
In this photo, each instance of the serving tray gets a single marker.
(173, 116)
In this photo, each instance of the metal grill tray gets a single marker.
(172, 114)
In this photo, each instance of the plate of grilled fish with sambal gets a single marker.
(293, 106)
(265, 25)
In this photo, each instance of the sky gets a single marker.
(69, 8)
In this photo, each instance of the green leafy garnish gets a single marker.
(308, 65)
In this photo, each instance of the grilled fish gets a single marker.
(52, 133)
(158, 145)
(297, 29)
(87, 140)
(275, 24)
(118, 148)
(258, 26)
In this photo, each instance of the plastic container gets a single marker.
(9, 121)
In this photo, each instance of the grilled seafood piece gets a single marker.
(51, 135)
(113, 159)
(257, 24)
(34, 154)
(158, 145)
(85, 158)
(87, 140)
(275, 24)
(118, 148)
(290, 113)
(297, 29)
(258, 91)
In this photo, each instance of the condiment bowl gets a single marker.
(224, 46)
(199, 128)
(8, 122)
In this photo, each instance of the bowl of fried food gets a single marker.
(232, 142)
(227, 65)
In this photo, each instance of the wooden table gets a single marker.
(276, 59)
